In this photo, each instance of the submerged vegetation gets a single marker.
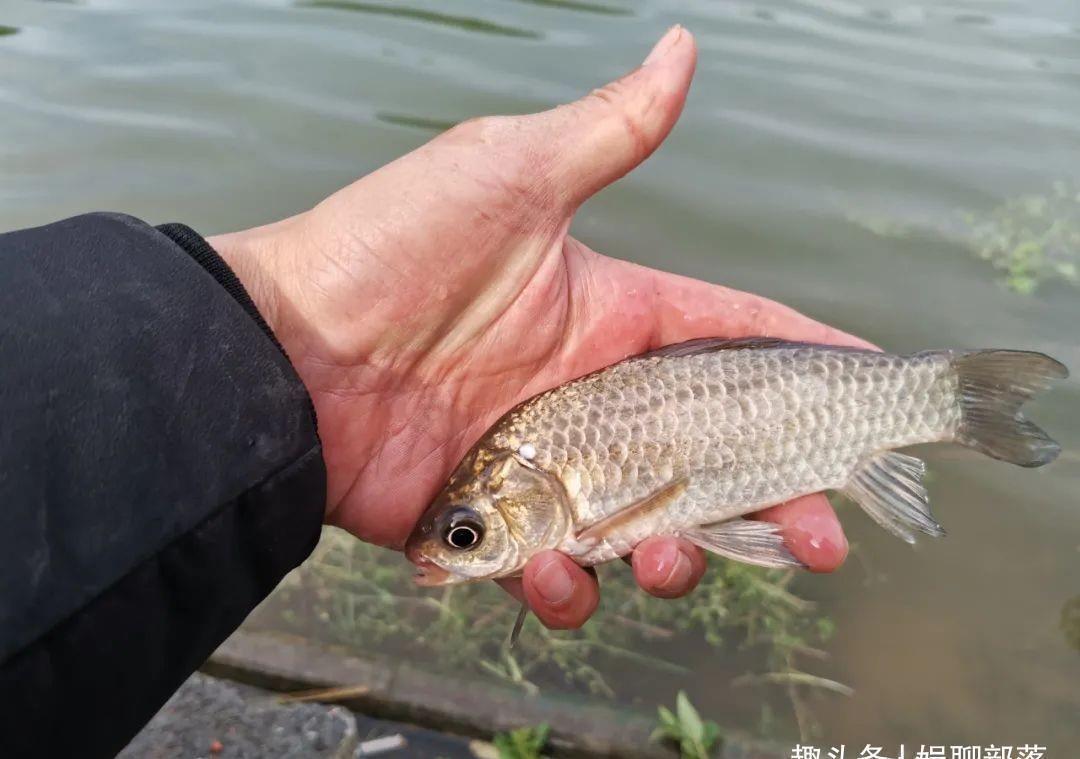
(1032, 238)
(353, 592)
(1070, 622)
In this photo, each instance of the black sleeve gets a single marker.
(160, 472)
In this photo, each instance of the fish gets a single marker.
(690, 438)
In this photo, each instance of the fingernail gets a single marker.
(675, 567)
(554, 583)
(664, 46)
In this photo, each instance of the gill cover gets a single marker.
(520, 509)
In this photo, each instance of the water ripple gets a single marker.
(416, 122)
(581, 5)
(823, 144)
(464, 23)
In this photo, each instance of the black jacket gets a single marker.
(160, 472)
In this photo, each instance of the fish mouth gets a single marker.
(429, 575)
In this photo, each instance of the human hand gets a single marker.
(424, 300)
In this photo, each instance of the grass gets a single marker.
(694, 737)
(523, 743)
(355, 593)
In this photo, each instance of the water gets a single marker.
(826, 156)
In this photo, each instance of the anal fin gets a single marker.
(889, 488)
(745, 540)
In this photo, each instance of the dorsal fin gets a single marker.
(711, 344)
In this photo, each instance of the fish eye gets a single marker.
(464, 529)
(462, 536)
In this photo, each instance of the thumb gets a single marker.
(613, 129)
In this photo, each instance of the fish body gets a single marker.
(688, 439)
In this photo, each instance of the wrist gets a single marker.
(254, 255)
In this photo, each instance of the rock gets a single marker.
(214, 718)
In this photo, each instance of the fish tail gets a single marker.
(994, 384)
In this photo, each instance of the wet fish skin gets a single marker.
(707, 431)
(749, 428)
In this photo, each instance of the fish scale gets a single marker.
(751, 427)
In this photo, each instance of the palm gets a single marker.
(424, 300)
(547, 310)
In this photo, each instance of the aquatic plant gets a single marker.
(1032, 238)
(523, 743)
(350, 592)
(1070, 622)
(879, 224)
(694, 737)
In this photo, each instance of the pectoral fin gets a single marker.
(627, 521)
(744, 540)
(889, 488)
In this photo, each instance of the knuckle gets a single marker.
(500, 135)
(482, 129)
(630, 112)
(515, 161)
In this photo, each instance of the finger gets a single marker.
(667, 567)
(610, 131)
(560, 593)
(811, 531)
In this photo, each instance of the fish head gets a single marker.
(488, 521)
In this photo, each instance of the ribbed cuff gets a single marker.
(196, 246)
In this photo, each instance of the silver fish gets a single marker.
(687, 439)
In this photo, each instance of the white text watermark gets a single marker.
(992, 751)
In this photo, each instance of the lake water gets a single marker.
(842, 156)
